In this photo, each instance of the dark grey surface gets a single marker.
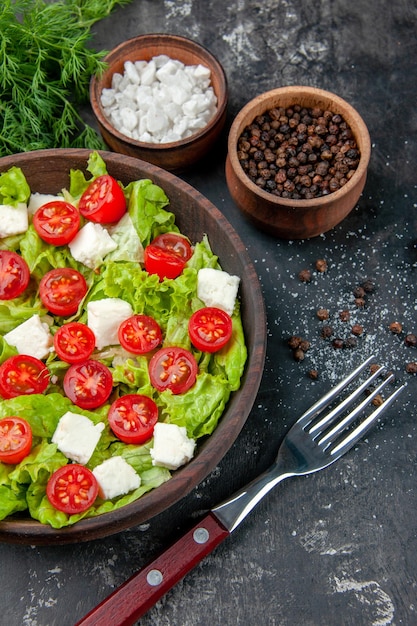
(337, 547)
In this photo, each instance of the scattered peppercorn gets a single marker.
(323, 314)
(378, 400)
(396, 328)
(299, 347)
(411, 368)
(359, 292)
(410, 340)
(338, 343)
(299, 354)
(374, 368)
(360, 303)
(351, 342)
(313, 374)
(321, 265)
(326, 332)
(368, 286)
(344, 316)
(298, 152)
(357, 330)
(294, 342)
(305, 276)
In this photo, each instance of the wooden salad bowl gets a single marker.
(301, 218)
(47, 171)
(175, 156)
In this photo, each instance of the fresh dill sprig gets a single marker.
(45, 71)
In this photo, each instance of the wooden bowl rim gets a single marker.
(164, 40)
(246, 115)
(29, 531)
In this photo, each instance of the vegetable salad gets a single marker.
(171, 302)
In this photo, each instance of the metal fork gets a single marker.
(313, 443)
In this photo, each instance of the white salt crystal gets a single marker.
(132, 72)
(129, 118)
(160, 101)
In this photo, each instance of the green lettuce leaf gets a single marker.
(200, 408)
(14, 188)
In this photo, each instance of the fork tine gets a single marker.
(346, 402)
(325, 400)
(350, 417)
(352, 438)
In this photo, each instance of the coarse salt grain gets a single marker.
(160, 101)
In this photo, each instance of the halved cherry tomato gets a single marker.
(72, 489)
(167, 255)
(173, 368)
(22, 375)
(74, 342)
(103, 201)
(139, 334)
(88, 384)
(61, 291)
(14, 275)
(15, 439)
(132, 418)
(57, 222)
(210, 329)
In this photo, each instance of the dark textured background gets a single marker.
(336, 548)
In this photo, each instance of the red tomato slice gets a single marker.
(15, 439)
(88, 384)
(57, 222)
(22, 375)
(72, 489)
(132, 418)
(167, 255)
(103, 201)
(74, 342)
(14, 275)
(173, 368)
(210, 329)
(61, 291)
(140, 334)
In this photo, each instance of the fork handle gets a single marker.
(138, 594)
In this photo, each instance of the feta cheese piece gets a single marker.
(13, 220)
(76, 436)
(37, 200)
(91, 244)
(172, 447)
(217, 288)
(104, 318)
(115, 477)
(31, 337)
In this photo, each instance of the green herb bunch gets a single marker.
(45, 71)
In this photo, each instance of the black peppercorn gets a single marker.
(305, 276)
(307, 143)
(411, 340)
(396, 328)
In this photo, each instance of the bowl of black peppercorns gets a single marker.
(297, 161)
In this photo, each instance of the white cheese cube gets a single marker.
(31, 337)
(115, 477)
(13, 220)
(172, 447)
(76, 436)
(217, 288)
(37, 200)
(104, 318)
(91, 244)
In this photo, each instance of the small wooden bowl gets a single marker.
(282, 217)
(47, 171)
(179, 155)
